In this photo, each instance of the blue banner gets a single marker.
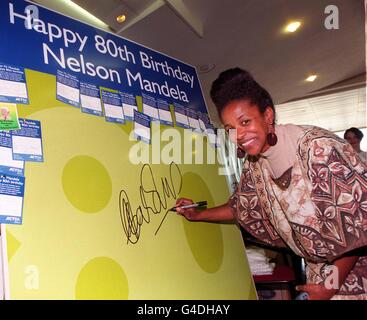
(94, 56)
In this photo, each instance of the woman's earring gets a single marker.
(272, 138)
(240, 153)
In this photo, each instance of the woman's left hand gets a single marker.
(317, 291)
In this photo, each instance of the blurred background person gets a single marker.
(354, 137)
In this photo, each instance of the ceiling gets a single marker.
(248, 34)
(335, 111)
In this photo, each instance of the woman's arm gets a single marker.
(327, 290)
(220, 213)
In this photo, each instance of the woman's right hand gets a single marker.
(189, 213)
(216, 214)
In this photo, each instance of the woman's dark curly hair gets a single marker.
(358, 133)
(238, 84)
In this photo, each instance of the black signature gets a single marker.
(151, 200)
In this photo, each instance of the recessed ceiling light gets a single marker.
(205, 68)
(90, 18)
(311, 78)
(293, 26)
(121, 18)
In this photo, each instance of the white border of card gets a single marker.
(112, 106)
(11, 198)
(128, 105)
(164, 112)
(13, 91)
(67, 88)
(7, 164)
(150, 107)
(90, 99)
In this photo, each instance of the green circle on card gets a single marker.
(102, 278)
(205, 239)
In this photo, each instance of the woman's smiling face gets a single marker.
(251, 126)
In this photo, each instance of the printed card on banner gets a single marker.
(142, 127)
(90, 99)
(27, 141)
(212, 137)
(11, 199)
(164, 112)
(203, 121)
(193, 119)
(67, 88)
(112, 107)
(128, 105)
(7, 164)
(180, 116)
(13, 87)
(9, 116)
(150, 107)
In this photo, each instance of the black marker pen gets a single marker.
(193, 205)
